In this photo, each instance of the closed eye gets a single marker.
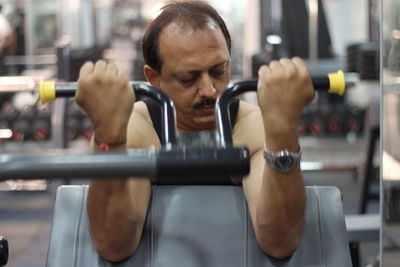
(219, 70)
(217, 74)
(187, 81)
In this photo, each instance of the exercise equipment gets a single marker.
(3, 251)
(333, 82)
(155, 164)
(190, 226)
(172, 161)
(187, 225)
(215, 159)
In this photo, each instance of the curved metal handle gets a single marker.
(167, 108)
(222, 107)
(335, 83)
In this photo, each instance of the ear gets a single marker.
(152, 76)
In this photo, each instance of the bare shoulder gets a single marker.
(249, 129)
(141, 133)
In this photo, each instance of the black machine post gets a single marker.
(3, 251)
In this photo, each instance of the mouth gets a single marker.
(206, 105)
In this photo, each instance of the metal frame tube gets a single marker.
(179, 162)
(313, 12)
(222, 109)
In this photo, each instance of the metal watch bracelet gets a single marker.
(283, 160)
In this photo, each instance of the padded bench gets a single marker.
(363, 227)
(190, 226)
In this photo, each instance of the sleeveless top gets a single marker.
(154, 110)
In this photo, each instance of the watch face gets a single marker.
(284, 162)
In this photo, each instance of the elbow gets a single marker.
(280, 251)
(279, 244)
(114, 254)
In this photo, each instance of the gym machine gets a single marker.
(164, 241)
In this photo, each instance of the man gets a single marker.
(187, 55)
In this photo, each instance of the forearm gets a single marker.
(117, 211)
(277, 201)
(116, 216)
(116, 207)
(284, 89)
(280, 212)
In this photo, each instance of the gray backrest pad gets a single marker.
(200, 226)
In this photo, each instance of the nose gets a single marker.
(206, 86)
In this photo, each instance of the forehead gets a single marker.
(181, 46)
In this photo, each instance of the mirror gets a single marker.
(390, 241)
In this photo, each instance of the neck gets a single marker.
(185, 128)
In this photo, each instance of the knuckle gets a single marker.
(290, 72)
(87, 65)
(84, 84)
(262, 70)
(274, 63)
(304, 77)
(284, 60)
(105, 79)
(100, 62)
(123, 83)
(123, 78)
(112, 66)
(79, 98)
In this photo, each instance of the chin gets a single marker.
(207, 123)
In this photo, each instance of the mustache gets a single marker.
(205, 102)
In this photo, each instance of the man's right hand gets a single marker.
(105, 94)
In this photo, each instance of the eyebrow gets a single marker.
(193, 72)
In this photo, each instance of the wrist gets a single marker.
(107, 146)
(280, 121)
(283, 160)
(281, 135)
(110, 134)
(277, 127)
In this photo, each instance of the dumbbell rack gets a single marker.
(56, 134)
(13, 141)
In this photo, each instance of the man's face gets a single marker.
(196, 69)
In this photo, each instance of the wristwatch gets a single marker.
(283, 160)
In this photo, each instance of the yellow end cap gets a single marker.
(337, 82)
(47, 91)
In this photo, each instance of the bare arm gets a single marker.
(116, 208)
(276, 200)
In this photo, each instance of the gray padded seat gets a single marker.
(190, 226)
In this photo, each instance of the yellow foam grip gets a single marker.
(337, 82)
(47, 91)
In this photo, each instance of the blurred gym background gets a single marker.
(51, 39)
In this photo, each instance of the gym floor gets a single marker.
(25, 217)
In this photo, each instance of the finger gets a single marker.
(303, 71)
(112, 69)
(122, 76)
(123, 80)
(86, 69)
(264, 73)
(275, 66)
(288, 66)
(300, 66)
(100, 67)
